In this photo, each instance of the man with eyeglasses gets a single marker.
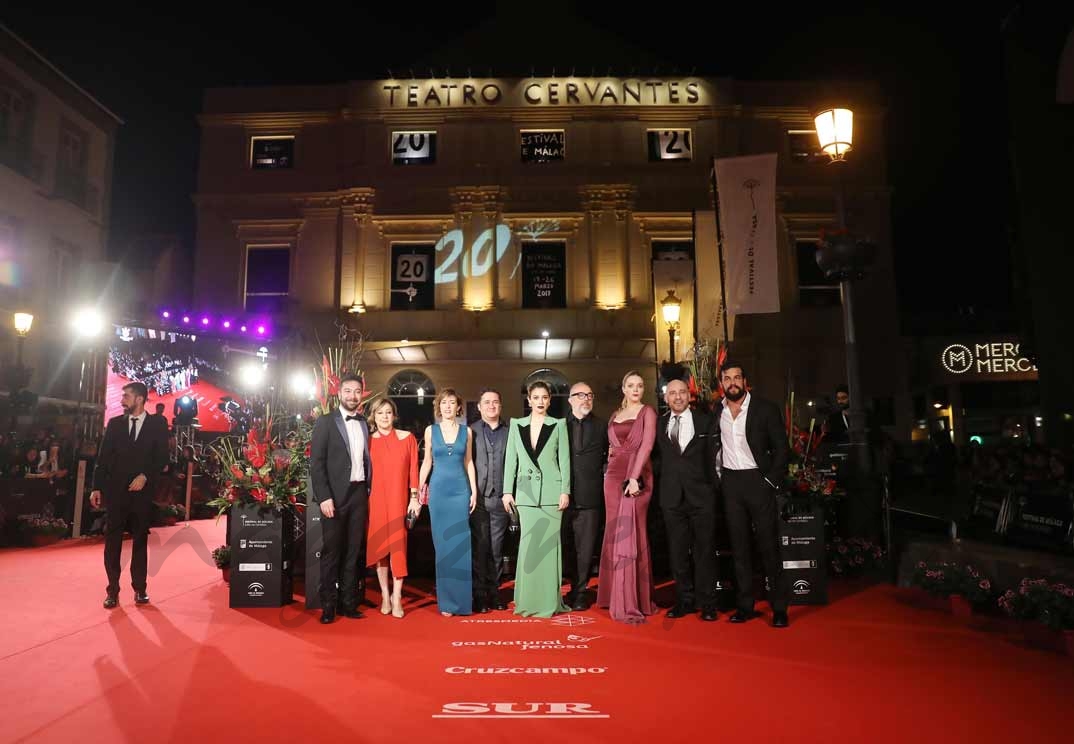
(588, 436)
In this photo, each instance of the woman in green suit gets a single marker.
(538, 472)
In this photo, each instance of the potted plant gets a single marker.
(42, 530)
(940, 581)
(854, 556)
(222, 559)
(169, 514)
(974, 592)
(1047, 611)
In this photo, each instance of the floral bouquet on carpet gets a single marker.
(40, 524)
(1040, 600)
(854, 556)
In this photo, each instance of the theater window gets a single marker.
(272, 153)
(670, 144)
(413, 148)
(543, 145)
(814, 290)
(268, 278)
(413, 285)
(805, 147)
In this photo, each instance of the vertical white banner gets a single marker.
(747, 190)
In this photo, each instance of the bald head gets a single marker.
(677, 396)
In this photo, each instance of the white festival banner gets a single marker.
(747, 190)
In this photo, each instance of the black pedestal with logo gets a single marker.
(802, 550)
(261, 546)
(314, 545)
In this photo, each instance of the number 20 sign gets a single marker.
(411, 268)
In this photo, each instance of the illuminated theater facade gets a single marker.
(485, 232)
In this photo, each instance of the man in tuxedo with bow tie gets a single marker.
(133, 453)
(340, 471)
(688, 500)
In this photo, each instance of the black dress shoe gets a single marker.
(480, 608)
(580, 603)
(742, 616)
(709, 614)
(500, 605)
(111, 602)
(352, 612)
(328, 615)
(779, 619)
(141, 598)
(680, 610)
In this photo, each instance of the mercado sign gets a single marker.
(985, 360)
(541, 92)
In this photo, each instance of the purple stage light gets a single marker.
(261, 330)
(186, 318)
(166, 314)
(242, 328)
(227, 324)
(205, 321)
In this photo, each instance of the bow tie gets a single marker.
(355, 417)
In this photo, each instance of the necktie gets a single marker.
(675, 432)
(355, 417)
(133, 433)
(579, 434)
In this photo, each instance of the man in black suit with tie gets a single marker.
(688, 500)
(340, 471)
(133, 452)
(754, 455)
(588, 437)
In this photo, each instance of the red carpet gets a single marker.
(207, 395)
(867, 668)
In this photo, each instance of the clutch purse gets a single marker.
(641, 485)
(514, 525)
(423, 497)
(412, 519)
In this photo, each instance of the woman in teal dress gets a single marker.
(452, 496)
(537, 479)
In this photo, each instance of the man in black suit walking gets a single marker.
(754, 454)
(340, 471)
(588, 437)
(688, 499)
(132, 454)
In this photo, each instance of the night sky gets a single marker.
(943, 75)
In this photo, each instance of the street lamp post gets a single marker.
(86, 324)
(670, 307)
(842, 256)
(23, 323)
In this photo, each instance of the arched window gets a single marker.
(560, 390)
(413, 393)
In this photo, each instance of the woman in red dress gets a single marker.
(626, 573)
(394, 456)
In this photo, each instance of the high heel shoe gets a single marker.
(386, 605)
(397, 607)
(446, 614)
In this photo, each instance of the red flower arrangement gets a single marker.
(256, 472)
